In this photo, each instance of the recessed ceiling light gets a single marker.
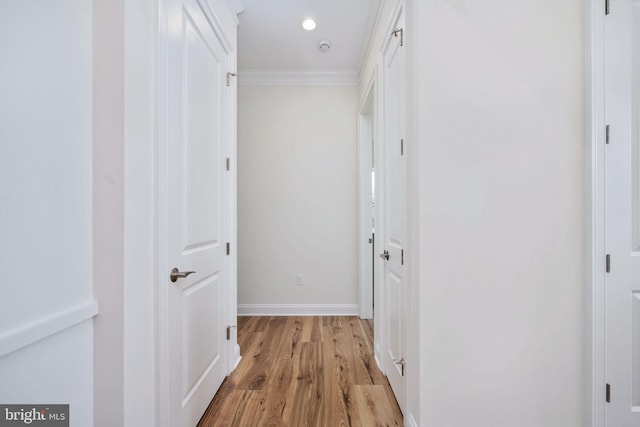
(309, 24)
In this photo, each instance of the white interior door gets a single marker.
(197, 211)
(394, 214)
(622, 198)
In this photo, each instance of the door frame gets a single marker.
(595, 250)
(233, 351)
(370, 106)
(366, 134)
(380, 341)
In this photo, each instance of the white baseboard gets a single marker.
(298, 309)
(375, 357)
(236, 357)
(411, 422)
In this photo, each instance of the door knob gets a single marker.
(385, 255)
(177, 274)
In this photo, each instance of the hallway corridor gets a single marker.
(304, 371)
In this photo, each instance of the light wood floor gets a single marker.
(304, 371)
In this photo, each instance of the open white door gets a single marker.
(622, 199)
(394, 212)
(197, 185)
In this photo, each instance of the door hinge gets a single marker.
(608, 264)
(401, 256)
(608, 393)
(402, 147)
(402, 363)
(228, 248)
(606, 134)
(401, 32)
(228, 163)
(606, 7)
(229, 331)
(229, 75)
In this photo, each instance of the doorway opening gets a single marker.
(366, 205)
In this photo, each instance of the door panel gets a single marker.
(394, 215)
(622, 198)
(197, 213)
(202, 338)
(201, 85)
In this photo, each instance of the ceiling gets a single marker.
(271, 37)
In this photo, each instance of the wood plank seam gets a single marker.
(304, 371)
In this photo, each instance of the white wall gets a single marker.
(108, 205)
(499, 122)
(139, 339)
(297, 195)
(45, 205)
(124, 216)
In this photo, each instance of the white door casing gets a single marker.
(394, 233)
(194, 350)
(365, 203)
(622, 212)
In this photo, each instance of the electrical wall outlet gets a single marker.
(300, 279)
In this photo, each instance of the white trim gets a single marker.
(236, 358)
(379, 310)
(372, 33)
(161, 322)
(215, 21)
(378, 364)
(411, 422)
(297, 78)
(233, 351)
(366, 104)
(297, 309)
(398, 9)
(366, 135)
(595, 210)
(237, 6)
(45, 327)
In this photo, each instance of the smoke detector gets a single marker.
(324, 45)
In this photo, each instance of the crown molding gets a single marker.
(237, 6)
(372, 27)
(298, 78)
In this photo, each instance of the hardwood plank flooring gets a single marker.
(304, 371)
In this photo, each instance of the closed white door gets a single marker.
(394, 214)
(622, 198)
(197, 211)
